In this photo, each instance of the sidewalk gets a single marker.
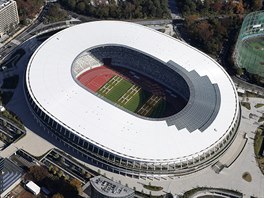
(32, 143)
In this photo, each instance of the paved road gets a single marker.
(248, 86)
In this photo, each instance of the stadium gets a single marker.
(131, 100)
(249, 50)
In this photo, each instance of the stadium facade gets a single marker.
(116, 140)
(249, 50)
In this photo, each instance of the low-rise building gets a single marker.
(32, 187)
(106, 188)
(10, 176)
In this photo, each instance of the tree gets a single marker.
(76, 184)
(204, 31)
(38, 173)
(256, 5)
(50, 168)
(113, 11)
(81, 7)
(71, 4)
(28, 9)
(217, 6)
(54, 14)
(240, 71)
(129, 9)
(238, 8)
(122, 9)
(191, 19)
(103, 12)
(57, 195)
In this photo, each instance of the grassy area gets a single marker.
(252, 95)
(259, 105)
(258, 148)
(261, 119)
(116, 91)
(134, 102)
(246, 105)
(161, 106)
(247, 177)
(152, 107)
(258, 142)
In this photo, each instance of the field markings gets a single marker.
(120, 91)
(110, 84)
(128, 95)
(149, 105)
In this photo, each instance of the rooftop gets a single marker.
(4, 3)
(11, 173)
(110, 188)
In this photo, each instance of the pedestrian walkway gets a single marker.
(32, 143)
(234, 151)
(16, 42)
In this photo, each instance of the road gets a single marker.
(175, 14)
(248, 86)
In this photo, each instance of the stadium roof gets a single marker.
(51, 84)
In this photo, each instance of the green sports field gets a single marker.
(116, 90)
(132, 97)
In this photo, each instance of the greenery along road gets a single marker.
(128, 9)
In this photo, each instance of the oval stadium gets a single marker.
(132, 100)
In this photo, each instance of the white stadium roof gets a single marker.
(52, 85)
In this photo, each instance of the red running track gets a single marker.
(95, 78)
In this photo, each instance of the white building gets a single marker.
(8, 15)
(32, 187)
(120, 141)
